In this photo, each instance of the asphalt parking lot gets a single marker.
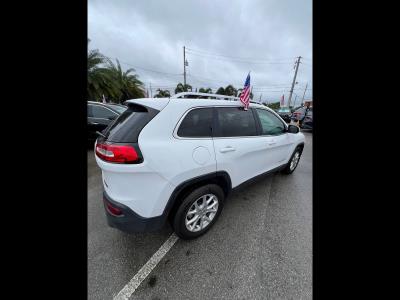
(260, 248)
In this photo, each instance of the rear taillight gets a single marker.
(112, 209)
(117, 153)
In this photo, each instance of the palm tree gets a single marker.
(99, 81)
(162, 94)
(129, 85)
(181, 88)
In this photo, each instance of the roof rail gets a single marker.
(218, 96)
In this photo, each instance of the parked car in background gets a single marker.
(304, 116)
(100, 115)
(284, 113)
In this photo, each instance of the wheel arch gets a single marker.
(220, 178)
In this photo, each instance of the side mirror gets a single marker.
(293, 129)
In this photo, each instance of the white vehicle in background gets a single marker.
(178, 158)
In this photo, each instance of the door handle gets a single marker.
(227, 149)
(271, 143)
(93, 123)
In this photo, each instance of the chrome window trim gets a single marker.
(176, 136)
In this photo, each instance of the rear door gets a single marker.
(194, 145)
(239, 149)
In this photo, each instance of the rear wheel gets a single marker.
(293, 162)
(198, 211)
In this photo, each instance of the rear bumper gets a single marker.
(130, 221)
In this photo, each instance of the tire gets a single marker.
(288, 169)
(211, 193)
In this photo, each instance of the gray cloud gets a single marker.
(150, 35)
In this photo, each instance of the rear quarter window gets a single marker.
(127, 127)
(197, 123)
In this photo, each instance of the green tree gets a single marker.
(205, 90)
(220, 91)
(129, 86)
(274, 105)
(230, 91)
(180, 88)
(162, 94)
(99, 80)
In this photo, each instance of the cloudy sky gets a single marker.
(224, 41)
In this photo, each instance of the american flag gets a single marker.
(283, 100)
(245, 95)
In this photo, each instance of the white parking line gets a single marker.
(134, 283)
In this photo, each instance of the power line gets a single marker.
(276, 85)
(241, 61)
(203, 52)
(149, 70)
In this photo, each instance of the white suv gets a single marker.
(178, 159)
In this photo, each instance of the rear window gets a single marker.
(127, 127)
(197, 123)
(234, 121)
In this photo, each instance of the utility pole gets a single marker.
(151, 92)
(302, 100)
(184, 67)
(294, 80)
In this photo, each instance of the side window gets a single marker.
(89, 110)
(234, 121)
(197, 123)
(101, 112)
(270, 124)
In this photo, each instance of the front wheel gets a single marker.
(293, 162)
(198, 211)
